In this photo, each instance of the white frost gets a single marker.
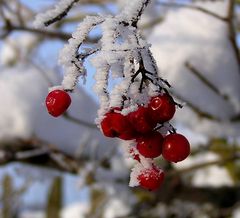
(60, 7)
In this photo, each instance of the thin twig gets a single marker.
(60, 15)
(204, 165)
(37, 152)
(196, 109)
(78, 121)
(45, 33)
(202, 78)
(194, 7)
(232, 32)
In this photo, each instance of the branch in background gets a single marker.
(194, 7)
(235, 118)
(152, 23)
(195, 167)
(79, 121)
(60, 15)
(202, 78)
(42, 32)
(46, 33)
(228, 19)
(232, 32)
(37, 152)
(198, 111)
(220, 198)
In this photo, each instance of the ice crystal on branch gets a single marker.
(120, 53)
(57, 13)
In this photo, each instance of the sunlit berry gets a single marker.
(161, 108)
(57, 102)
(175, 147)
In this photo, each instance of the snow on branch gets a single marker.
(69, 57)
(60, 10)
(121, 53)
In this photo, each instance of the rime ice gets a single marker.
(122, 54)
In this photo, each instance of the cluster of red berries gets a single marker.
(150, 143)
(139, 125)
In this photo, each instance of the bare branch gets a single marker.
(196, 109)
(194, 7)
(37, 152)
(78, 121)
(195, 167)
(203, 79)
(232, 32)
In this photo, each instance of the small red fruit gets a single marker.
(57, 102)
(140, 120)
(151, 179)
(161, 108)
(150, 145)
(175, 147)
(116, 125)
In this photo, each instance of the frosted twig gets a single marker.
(60, 10)
(69, 56)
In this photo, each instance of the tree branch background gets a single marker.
(46, 149)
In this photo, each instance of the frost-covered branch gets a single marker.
(60, 10)
(121, 53)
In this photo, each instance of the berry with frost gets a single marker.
(151, 178)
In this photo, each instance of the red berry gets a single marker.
(175, 147)
(161, 108)
(106, 126)
(57, 102)
(134, 155)
(140, 120)
(151, 179)
(150, 145)
(116, 125)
